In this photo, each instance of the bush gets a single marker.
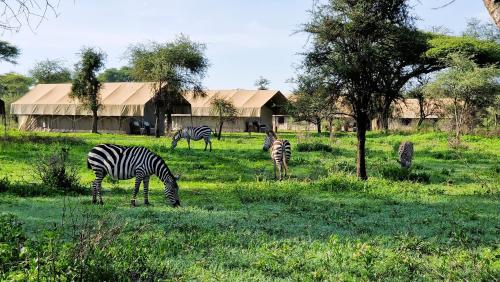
(401, 174)
(311, 147)
(12, 238)
(25, 189)
(56, 172)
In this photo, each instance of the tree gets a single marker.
(173, 68)
(8, 52)
(224, 110)
(123, 74)
(262, 83)
(471, 87)
(50, 71)
(483, 31)
(314, 100)
(428, 105)
(86, 86)
(12, 87)
(350, 43)
(16, 13)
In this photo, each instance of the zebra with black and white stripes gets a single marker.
(121, 162)
(281, 151)
(193, 133)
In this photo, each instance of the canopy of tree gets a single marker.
(224, 110)
(13, 86)
(50, 71)
(123, 74)
(173, 67)
(8, 52)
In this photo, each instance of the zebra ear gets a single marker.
(177, 177)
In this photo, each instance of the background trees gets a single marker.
(16, 13)
(86, 86)
(123, 74)
(224, 110)
(471, 87)
(50, 71)
(173, 68)
(262, 83)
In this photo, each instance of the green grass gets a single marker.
(237, 223)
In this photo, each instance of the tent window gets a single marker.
(281, 120)
(405, 121)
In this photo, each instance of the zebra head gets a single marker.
(172, 190)
(176, 138)
(268, 142)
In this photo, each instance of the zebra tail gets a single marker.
(283, 156)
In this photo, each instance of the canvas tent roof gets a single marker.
(248, 102)
(118, 99)
(130, 98)
(409, 108)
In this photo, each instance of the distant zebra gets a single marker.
(193, 133)
(126, 162)
(281, 151)
(405, 153)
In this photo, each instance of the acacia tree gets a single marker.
(428, 105)
(471, 87)
(173, 68)
(224, 110)
(123, 74)
(314, 100)
(16, 13)
(86, 86)
(350, 43)
(50, 71)
(262, 83)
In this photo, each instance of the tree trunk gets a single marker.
(362, 121)
(493, 7)
(386, 112)
(157, 121)
(330, 128)
(318, 125)
(220, 130)
(169, 121)
(94, 121)
(421, 111)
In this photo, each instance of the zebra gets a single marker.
(405, 153)
(122, 162)
(193, 133)
(281, 151)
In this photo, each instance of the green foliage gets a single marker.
(173, 68)
(235, 224)
(8, 52)
(12, 238)
(313, 147)
(50, 71)
(225, 110)
(123, 74)
(12, 87)
(85, 85)
(481, 51)
(402, 174)
(56, 172)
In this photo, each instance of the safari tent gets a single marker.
(48, 107)
(256, 109)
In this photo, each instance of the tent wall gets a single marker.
(180, 121)
(74, 124)
(266, 117)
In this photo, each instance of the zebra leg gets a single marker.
(138, 181)
(146, 190)
(274, 163)
(189, 143)
(99, 187)
(210, 142)
(206, 143)
(94, 192)
(279, 170)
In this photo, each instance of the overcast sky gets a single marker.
(245, 38)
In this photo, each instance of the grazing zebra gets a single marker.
(405, 154)
(126, 162)
(193, 133)
(281, 151)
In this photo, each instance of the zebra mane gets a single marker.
(272, 133)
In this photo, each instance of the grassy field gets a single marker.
(237, 223)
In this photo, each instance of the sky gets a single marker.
(245, 39)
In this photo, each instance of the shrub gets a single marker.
(56, 172)
(401, 174)
(311, 147)
(12, 238)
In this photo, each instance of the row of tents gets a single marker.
(48, 107)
